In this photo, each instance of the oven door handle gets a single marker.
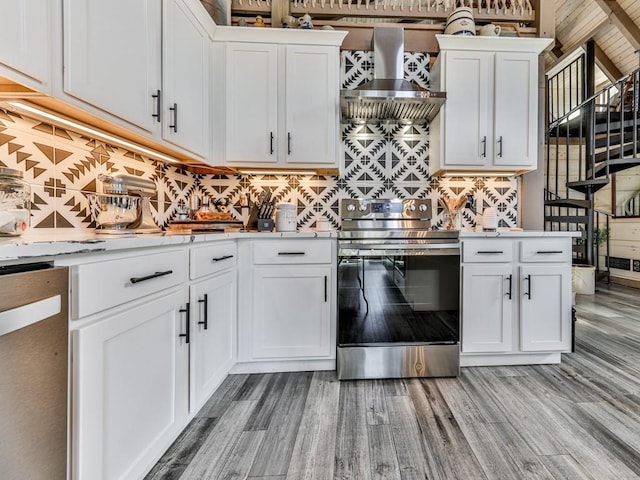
(376, 252)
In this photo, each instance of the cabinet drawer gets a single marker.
(114, 281)
(490, 250)
(545, 250)
(212, 259)
(291, 251)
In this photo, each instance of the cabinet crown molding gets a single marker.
(496, 44)
(279, 36)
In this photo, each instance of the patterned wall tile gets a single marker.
(379, 161)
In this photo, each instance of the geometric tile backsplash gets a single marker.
(379, 161)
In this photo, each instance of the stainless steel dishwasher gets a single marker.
(33, 372)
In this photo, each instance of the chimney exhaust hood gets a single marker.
(389, 96)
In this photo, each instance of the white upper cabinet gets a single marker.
(311, 105)
(25, 42)
(489, 121)
(515, 110)
(144, 66)
(112, 57)
(281, 97)
(251, 103)
(186, 54)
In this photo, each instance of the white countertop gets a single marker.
(34, 245)
(518, 234)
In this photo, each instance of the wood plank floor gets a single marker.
(576, 420)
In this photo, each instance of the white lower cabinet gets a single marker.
(130, 387)
(213, 339)
(286, 305)
(291, 312)
(487, 308)
(515, 309)
(545, 301)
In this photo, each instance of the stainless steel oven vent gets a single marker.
(389, 96)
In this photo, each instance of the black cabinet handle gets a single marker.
(484, 146)
(528, 280)
(510, 279)
(158, 98)
(289, 143)
(174, 109)
(187, 310)
(149, 277)
(271, 143)
(219, 259)
(542, 252)
(325, 289)
(291, 253)
(205, 322)
(500, 145)
(489, 252)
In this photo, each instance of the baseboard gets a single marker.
(283, 366)
(494, 360)
(627, 282)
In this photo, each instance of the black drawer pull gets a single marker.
(205, 322)
(219, 259)
(174, 109)
(528, 292)
(510, 278)
(325, 289)
(489, 252)
(187, 310)
(542, 252)
(500, 145)
(484, 146)
(291, 253)
(288, 143)
(149, 277)
(158, 98)
(271, 143)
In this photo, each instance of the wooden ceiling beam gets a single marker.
(606, 65)
(567, 50)
(622, 21)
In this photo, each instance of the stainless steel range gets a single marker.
(398, 292)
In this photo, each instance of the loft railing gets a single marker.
(566, 89)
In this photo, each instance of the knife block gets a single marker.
(259, 224)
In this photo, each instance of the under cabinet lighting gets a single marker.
(276, 172)
(57, 119)
(477, 173)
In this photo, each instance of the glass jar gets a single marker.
(15, 202)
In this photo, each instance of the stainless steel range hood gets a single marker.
(389, 96)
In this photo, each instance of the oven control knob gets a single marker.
(422, 207)
(351, 208)
(363, 208)
(412, 208)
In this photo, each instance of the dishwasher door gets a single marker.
(33, 372)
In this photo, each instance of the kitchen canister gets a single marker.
(460, 22)
(489, 219)
(286, 220)
(15, 202)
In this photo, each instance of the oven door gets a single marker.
(398, 311)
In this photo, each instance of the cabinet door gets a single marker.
(467, 130)
(516, 110)
(112, 57)
(214, 334)
(311, 101)
(487, 308)
(291, 312)
(251, 104)
(130, 390)
(545, 308)
(186, 80)
(25, 41)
